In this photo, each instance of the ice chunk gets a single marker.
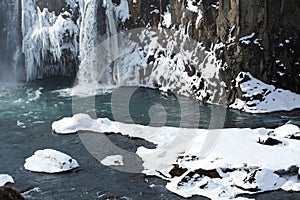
(5, 178)
(50, 161)
(113, 160)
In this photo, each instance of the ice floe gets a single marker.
(239, 162)
(50, 161)
(113, 160)
(259, 97)
(5, 178)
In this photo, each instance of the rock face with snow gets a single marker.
(260, 38)
(50, 161)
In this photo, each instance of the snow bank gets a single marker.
(259, 97)
(5, 178)
(242, 161)
(50, 161)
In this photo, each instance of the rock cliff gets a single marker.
(260, 37)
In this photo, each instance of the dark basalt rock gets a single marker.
(198, 174)
(295, 137)
(212, 173)
(52, 5)
(9, 193)
(270, 141)
(291, 171)
(177, 171)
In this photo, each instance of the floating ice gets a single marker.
(113, 160)
(50, 161)
(237, 164)
(5, 178)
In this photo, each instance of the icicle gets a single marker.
(43, 45)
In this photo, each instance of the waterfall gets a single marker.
(97, 68)
(10, 39)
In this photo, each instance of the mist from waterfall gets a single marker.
(10, 41)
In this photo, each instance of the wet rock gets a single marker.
(177, 171)
(291, 171)
(52, 5)
(212, 173)
(9, 193)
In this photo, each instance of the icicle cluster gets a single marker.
(46, 38)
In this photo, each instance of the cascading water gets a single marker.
(97, 68)
(10, 40)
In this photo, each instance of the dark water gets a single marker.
(25, 126)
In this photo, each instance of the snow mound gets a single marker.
(50, 161)
(259, 97)
(241, 161)
(5, 178)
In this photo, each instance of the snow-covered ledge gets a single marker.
(259, 97)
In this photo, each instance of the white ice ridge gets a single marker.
(259, 97)
(243, 160)
(50, 161)
(5, 178)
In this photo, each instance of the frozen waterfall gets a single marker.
(49, 40)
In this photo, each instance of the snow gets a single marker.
(191, 7)
(167, 18)
(113, 160)
(50, 161)
(246, 39)
(259, 97)
(243, 165)
(5, 178)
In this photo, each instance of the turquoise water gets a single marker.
(27, 111)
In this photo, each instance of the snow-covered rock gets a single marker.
(5, 178)
(50, 161)
(259, 97)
